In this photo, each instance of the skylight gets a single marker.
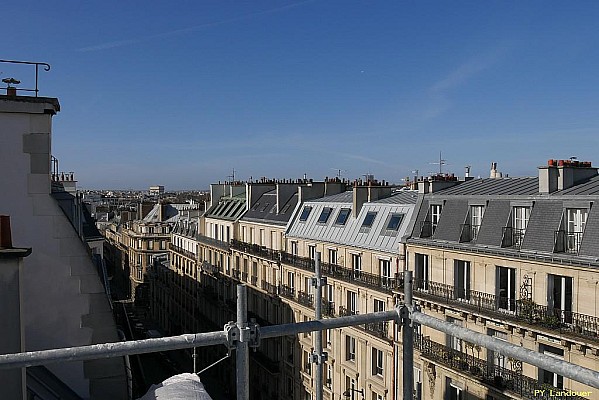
(305, 213)
(324, 215)
(394, 222)
(369, 219)
(342, 216)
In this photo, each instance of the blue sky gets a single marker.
(181, 92)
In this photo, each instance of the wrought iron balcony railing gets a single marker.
(494, 375)
(213, 242)
(561, 321)
(254, 249)
(567, 242)
(306, 299)
(287, 292)
(254, 280)
(183, 252)
(270, 288)
(512, 237)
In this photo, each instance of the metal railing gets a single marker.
(46, 67)
(254, 249)
(493, 375)
(568, 242)
(183, 252)
(512, 237)
(526, 311)
(270, 288)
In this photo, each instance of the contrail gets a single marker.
(128, 42)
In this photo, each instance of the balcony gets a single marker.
(522, 311)
(426, 229)
(270, 288)
(236, 274)
(254, 280)
(378, 329)
(287, 292)
(345, 312)
(328, 308)
(567, 242)
(254, 249)
(492, 375)
(306, 299)
(468, 232)
(244, 276)
(213, 242)
(512, 237)
(183, 252)
(211, 268)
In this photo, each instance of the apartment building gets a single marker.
(359, 235)
(64, 301)
(513, 258)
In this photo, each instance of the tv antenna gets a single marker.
(441, 163)
(339, 171)
(232, 176)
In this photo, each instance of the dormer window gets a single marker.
(324, 215)
(476, 219)
(435, 216)
(342, 216)
(520, 216)
(576, 219)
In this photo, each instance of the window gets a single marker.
(342, 216)
(350, 348)
(329, 381)
(333, 256)
(421, 269)
(417, 384)
(305, 213)
(453, 392)
(150, 245)
(521, 215)
(379, 305)
(356, 263)
(549, 377)
(291, 280)
(435, 215)
(506, 288)
(377, 362)
(559, 296)
(311, 251)
(452, 341)
(576, 221)
(294, 248)
(352, 302)
(494, 358)
(476, 218)
(324, 215)
(368, 219)
(385, 271)
(394, 222)
(461, 279)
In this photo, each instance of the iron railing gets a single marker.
(568, 242)
(46, 67)
(306, 299)
(287, 292)
(512, 237)
(493, 375)
(254, 249)
(270, 288)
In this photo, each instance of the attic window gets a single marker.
(265, 207)
(394, 222)
(324, 215)
(305, 213)
(369, 219)
(342, 216)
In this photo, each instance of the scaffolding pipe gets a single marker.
(242, 345)
(107, 350)
(328, 323)
(407, 339)
(318, 317)
(549, 363)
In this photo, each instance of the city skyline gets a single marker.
(181, 95)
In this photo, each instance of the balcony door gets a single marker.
(506, 288)
(559, 296)
(422, 271)
(461, 279)
(576, 221)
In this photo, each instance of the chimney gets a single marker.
(494, 173)
(563, 174)
(371, 192)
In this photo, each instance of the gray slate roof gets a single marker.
(497, 187)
